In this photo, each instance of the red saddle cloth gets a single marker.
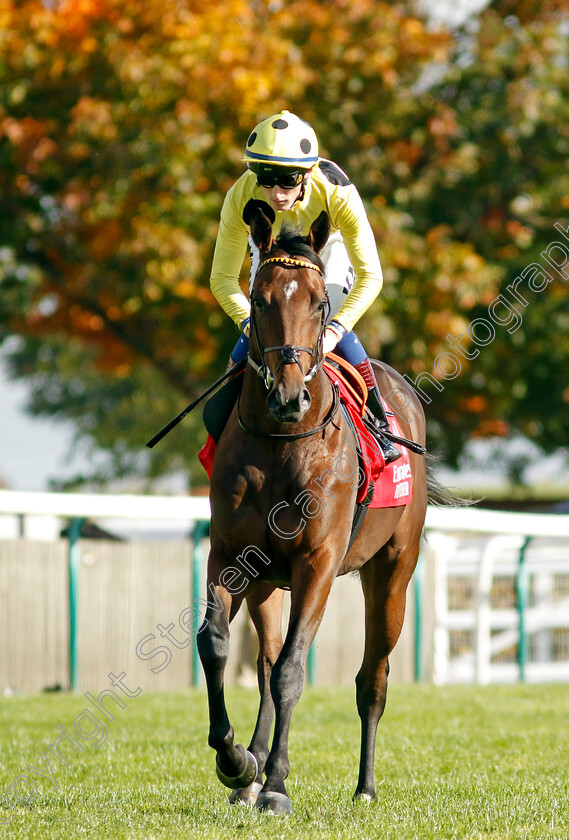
(206, 453)
(393, 484)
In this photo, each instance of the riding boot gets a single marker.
(376, 409)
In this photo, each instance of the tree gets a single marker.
(122, 127)
(497, 172)
(121, 130)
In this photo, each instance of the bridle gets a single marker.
(289, 353)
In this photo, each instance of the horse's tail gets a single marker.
(438, 494)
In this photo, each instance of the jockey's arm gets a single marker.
(230, 250)
(351, 218)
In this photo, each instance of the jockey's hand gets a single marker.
(246, 326)
(331, 337)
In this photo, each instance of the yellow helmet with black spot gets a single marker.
(282, 140)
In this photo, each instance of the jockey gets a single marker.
(283, 169)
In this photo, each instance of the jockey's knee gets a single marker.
(351, 349)
(241, 349)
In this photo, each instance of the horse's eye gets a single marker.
(259, 303)
(321, 305)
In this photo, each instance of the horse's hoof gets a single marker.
(274, 803)
(363, 797)
(245, 778)
(246, 796)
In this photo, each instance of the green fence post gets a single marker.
(418, 587)
(74, 565)
(522, 583)
(311, 664)
(201, 530)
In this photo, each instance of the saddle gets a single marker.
(380, 485)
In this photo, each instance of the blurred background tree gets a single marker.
(122, 127)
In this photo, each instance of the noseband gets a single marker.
(289, 354)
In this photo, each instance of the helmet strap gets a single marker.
(303, 190)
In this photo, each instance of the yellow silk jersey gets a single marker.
(326, 188)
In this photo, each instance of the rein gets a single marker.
(297, 435)
(289, 353)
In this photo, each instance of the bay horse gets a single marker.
(281, 516)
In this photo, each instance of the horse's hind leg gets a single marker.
(236, 767)
(265, 606)
(384, 582)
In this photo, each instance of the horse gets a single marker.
(291, 444)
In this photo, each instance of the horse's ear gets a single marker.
(319, 232)
(260, 216)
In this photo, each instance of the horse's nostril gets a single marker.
(288, 409)
(274, 400)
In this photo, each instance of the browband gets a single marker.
(290, 262)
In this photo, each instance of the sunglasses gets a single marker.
(284, 180)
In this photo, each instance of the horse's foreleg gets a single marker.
(308, 600)
(236, 767)
(384, 582)
(265, 606)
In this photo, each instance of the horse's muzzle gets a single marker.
(288, 409)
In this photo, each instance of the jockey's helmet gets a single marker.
(282, 140)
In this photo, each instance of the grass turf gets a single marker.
(455, 762)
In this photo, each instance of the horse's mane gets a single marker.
(291, 240)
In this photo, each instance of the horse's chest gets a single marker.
(261, 490)
(254, 498)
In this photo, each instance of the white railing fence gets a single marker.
(489, 601)
(494, 597)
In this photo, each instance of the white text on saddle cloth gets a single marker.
(401, 473)
(399, 490)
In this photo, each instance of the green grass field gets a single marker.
(457, 762)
